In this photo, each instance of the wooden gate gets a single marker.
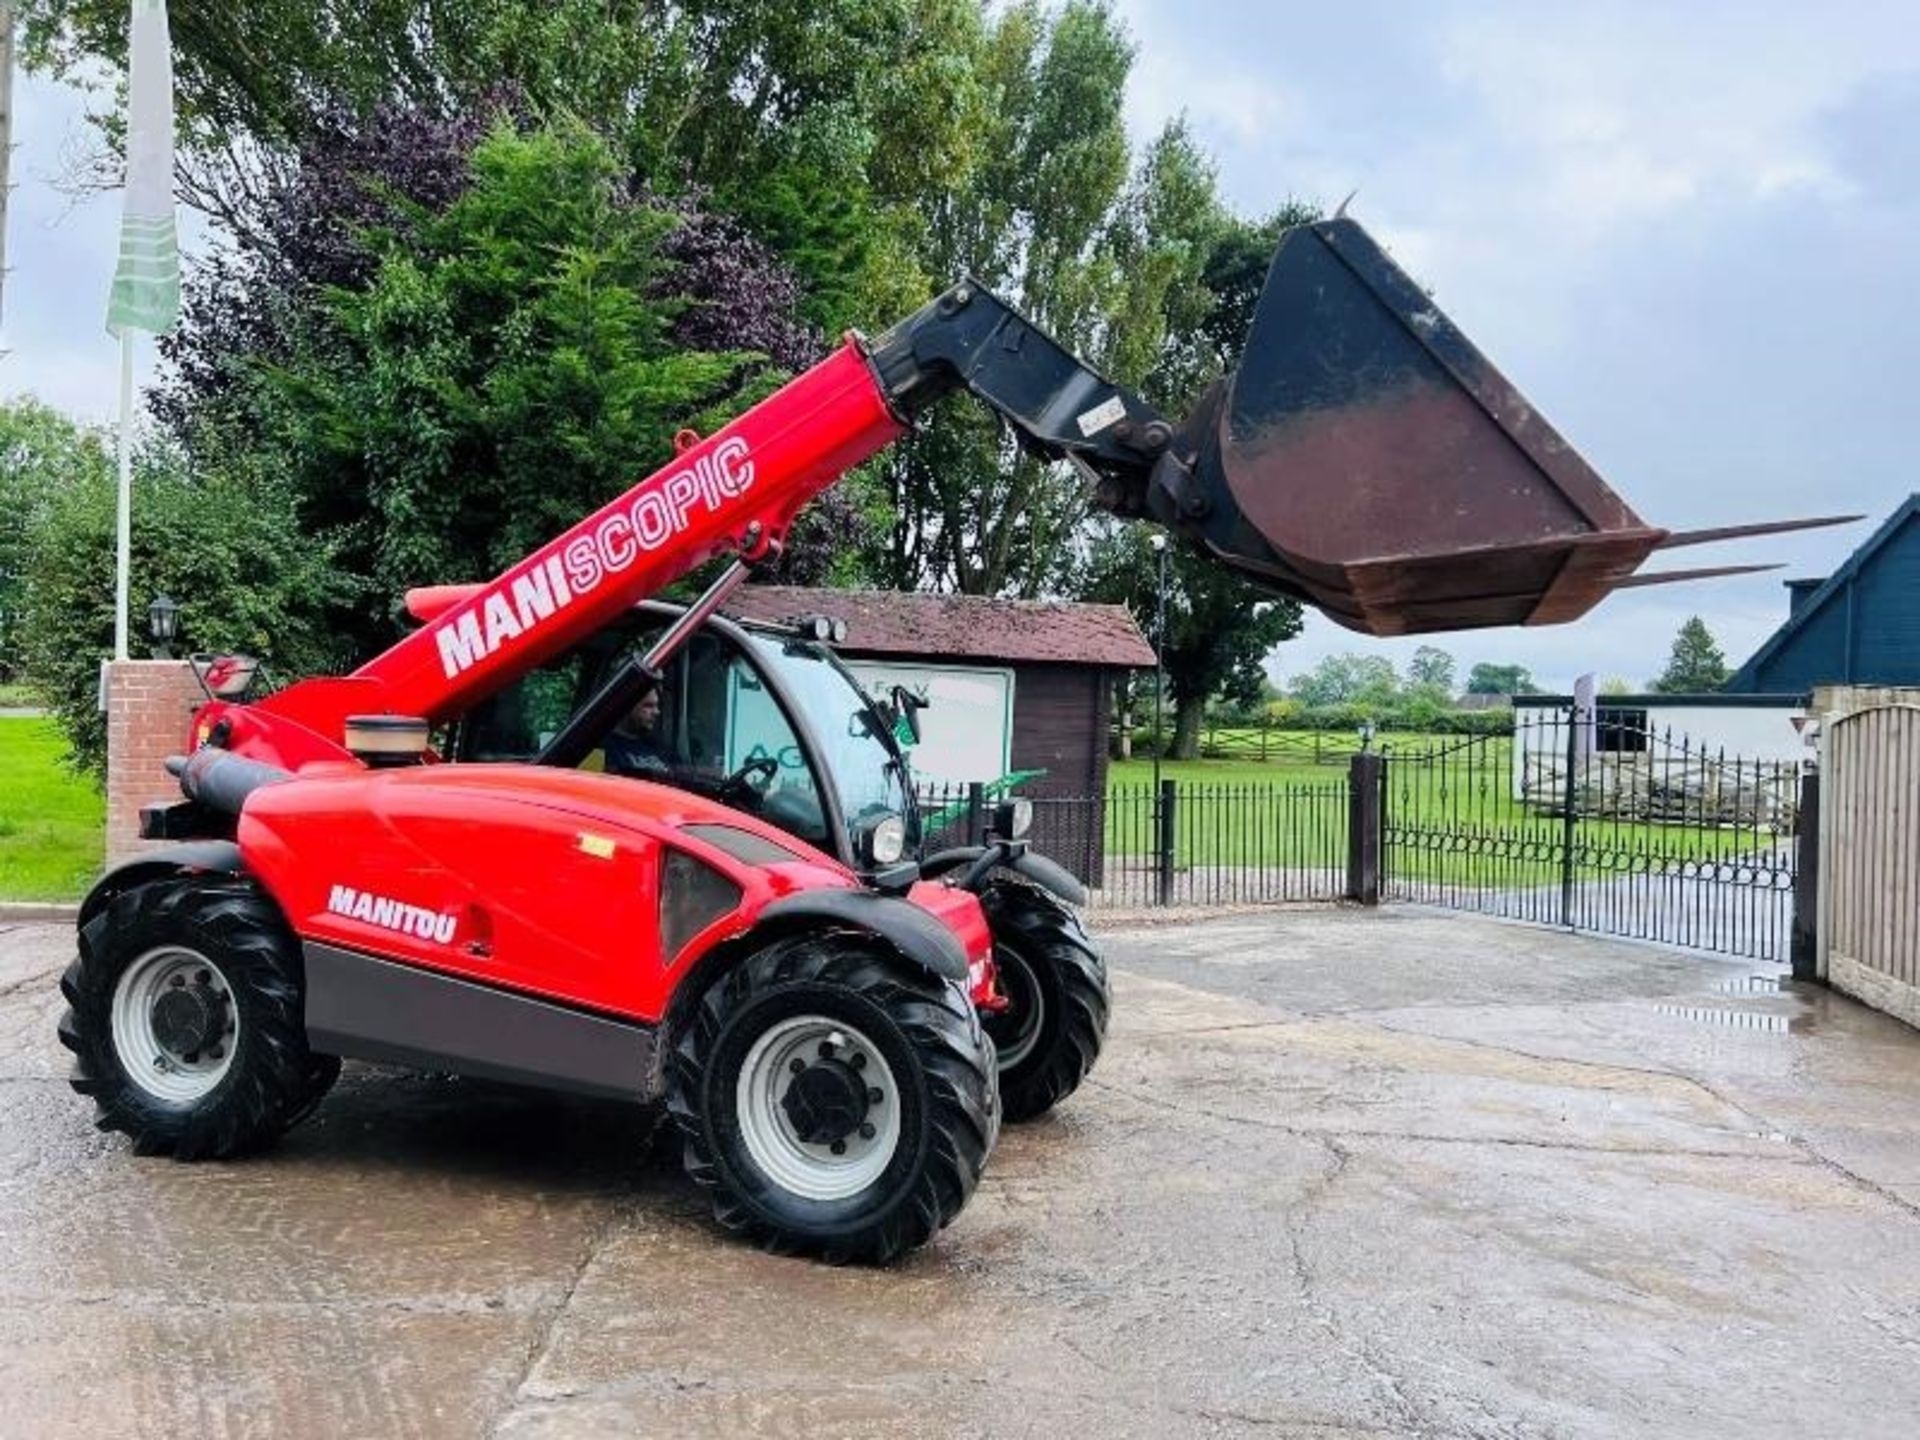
(1870, 856)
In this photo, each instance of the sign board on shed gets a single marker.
(966, 731)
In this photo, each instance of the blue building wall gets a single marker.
(1862, 627)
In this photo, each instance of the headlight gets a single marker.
(1012, 818)
(885, 840)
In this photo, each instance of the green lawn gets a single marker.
(52, 822)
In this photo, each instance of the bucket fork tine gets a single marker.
(1677, 538)
(1708, 572)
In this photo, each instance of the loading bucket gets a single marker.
(1366, 457)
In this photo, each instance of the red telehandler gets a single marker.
(430, 862)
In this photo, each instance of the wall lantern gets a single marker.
(163, 623)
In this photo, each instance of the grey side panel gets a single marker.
(376, 1010)
(916, 934)
(222, 856)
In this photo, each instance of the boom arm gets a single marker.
(1363, 456)
(735, 491)
(738, 491)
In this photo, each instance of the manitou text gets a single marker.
(388, 914)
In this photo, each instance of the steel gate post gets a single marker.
(1566, 818)
(1365, 785)
(1164, 843)
(1804, 943)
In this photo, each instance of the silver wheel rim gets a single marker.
(1020, 1044)
(162, 1073)
(815, 1172)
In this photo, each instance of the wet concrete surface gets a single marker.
(1339, 1173)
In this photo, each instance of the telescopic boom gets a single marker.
(1363, 456)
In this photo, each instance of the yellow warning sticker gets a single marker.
(598, 846)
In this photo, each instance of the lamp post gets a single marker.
(1159, 543)
(163, 623)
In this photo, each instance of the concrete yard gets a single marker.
(1339, 1173)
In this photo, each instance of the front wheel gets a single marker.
(834, 1099)
(185, 1019)
(1055, 984)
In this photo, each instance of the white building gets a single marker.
(1661, 743)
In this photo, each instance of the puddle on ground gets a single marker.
(1736, 1019)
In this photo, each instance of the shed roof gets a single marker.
(1833, 590)
(954, 627)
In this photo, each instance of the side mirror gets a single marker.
(907, 706)
(224, 677)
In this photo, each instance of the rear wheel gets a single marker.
(185, 1019)
(835, 1099)
(1055, 983)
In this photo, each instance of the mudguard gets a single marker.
(905, 926)
(1049, 875)
(220, 856)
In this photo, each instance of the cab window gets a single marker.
(714, 728)
(517, 722)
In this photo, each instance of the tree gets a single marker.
(1219, 630)
(247, 578)
(1489, 679)
(455, 337)
(1348, 679)
(1033, 219)
(1696, 664)
(1192, 275)
(257, 80)
(1432, 670)
(882, 147)
(42, 455)
(822, 126)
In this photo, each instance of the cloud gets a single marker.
(1873, 136)
(1684, 231)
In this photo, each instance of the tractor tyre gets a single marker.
(836, 1099)
(1055, 1023)
(184, 1016)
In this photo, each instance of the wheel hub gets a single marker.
(819, 1108)
(189, 1018)
(827, 1101)
(174, 1023)
(1015, 1027)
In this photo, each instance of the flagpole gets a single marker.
(146, 283)
(123, 511)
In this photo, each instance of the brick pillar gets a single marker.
(150, 705)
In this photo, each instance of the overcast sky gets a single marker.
(1689, 232)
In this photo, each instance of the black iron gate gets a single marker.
(1598, 821)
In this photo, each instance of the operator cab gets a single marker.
(762, 718)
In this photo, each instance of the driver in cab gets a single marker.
(637, 748)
